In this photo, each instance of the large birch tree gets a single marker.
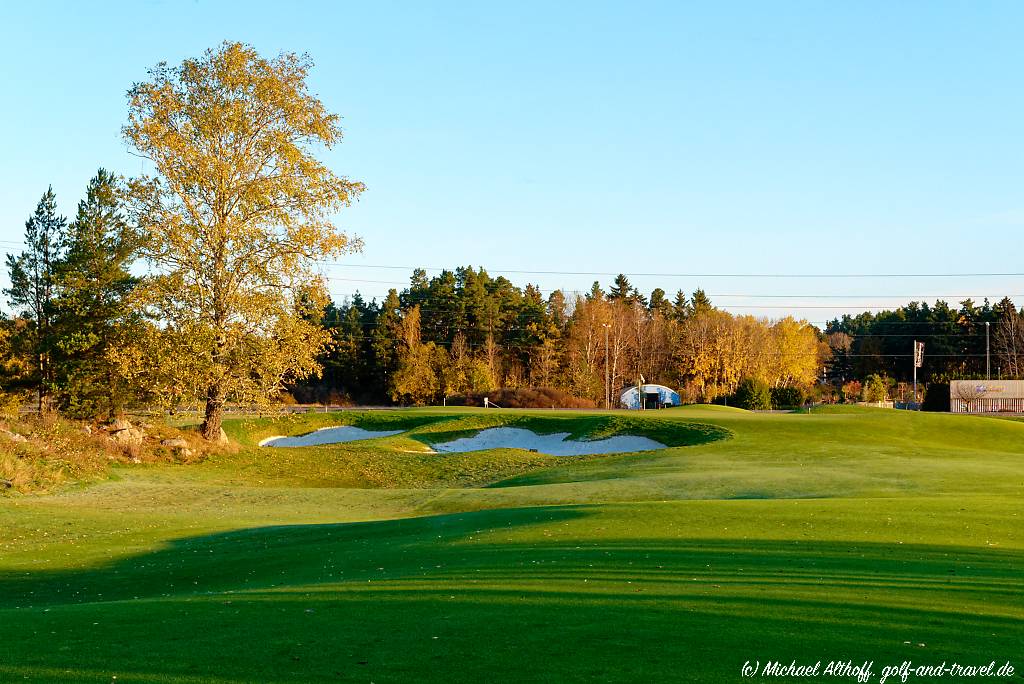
(236, 213)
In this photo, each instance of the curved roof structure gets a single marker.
(666, 396)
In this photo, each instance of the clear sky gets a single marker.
(717, 137)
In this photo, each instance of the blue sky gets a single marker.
(787, 137)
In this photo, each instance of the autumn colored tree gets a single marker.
(14, 367)
(236, 213)
(875, 389)
(416, 381)
(851, 391)
(1008, 341)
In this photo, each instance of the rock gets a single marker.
(6, 484)
(119, 424)
(87, 429)
(130, 436)
(175, 443)
(222, 438)
(13, 436)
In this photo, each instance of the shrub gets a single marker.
(787, 397)
(936, 397)
(875, 388)
(753, 395)
(851, 391)
(10, 402)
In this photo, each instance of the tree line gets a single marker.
(958, 342)
(463, 331)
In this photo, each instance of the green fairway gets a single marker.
(843, 534)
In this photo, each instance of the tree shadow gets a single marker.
(506, 595)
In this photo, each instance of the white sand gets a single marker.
(328, 435)
(555, 445)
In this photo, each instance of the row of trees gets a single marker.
(954, 338)
(463, 331)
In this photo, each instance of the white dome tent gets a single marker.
(654, 397)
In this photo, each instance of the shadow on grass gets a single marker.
(510, 595)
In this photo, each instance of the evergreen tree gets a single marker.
(418, 289)
(92, 309)
(557, 309)
(660, 304)
(32, 290)
(621, 289)
(700, 302)
(384, 344)
(681, 309)
(636, 298)
(596, 293)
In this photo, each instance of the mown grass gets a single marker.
(406, 460)
(864, 535)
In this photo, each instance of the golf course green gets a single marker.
(843, 534)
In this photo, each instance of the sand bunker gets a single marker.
(328, 435)
(555, 445)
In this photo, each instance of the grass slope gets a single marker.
(863, 535)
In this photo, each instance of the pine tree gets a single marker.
(700, 302)
(384, 343)
(557, 309)
(680, 307)
(621, 289)
(92, 309)
(32, 290)
(636, 298)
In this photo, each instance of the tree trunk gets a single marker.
(214, 413)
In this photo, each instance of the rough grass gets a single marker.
(59, 453)
(56, 452)
(850, 534)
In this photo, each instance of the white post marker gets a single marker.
(486, 402)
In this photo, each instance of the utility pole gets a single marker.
(988, 361)
(607, 377)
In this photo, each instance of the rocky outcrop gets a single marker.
(13, 436)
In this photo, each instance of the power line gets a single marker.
(734, 295)
(685, 275)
